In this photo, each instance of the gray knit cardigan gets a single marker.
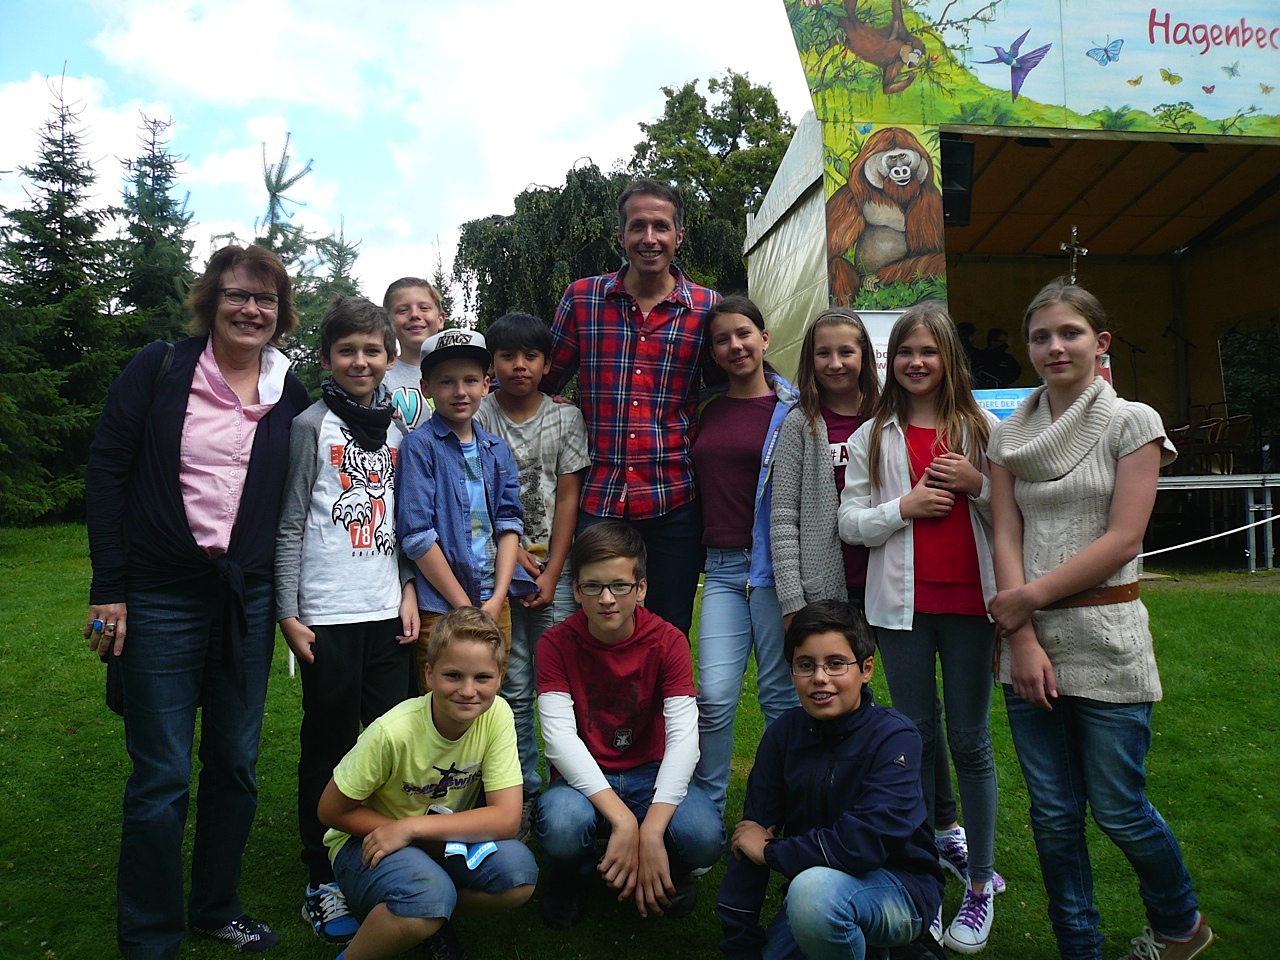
(807, 562)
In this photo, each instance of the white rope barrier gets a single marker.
(1213, 536)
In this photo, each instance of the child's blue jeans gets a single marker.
(832, 915)
(568, 826)
(412, 883)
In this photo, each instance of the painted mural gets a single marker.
(885, 74)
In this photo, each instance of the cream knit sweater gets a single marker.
(1064, 476)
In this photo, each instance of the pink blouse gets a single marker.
(217, 441)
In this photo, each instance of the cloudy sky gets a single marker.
(418, 115)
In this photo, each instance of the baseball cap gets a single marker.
(454, 344)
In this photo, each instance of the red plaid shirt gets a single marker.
(639, 386)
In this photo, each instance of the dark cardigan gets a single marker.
(138, 533)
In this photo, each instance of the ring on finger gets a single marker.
(109, 628)
(96, 625)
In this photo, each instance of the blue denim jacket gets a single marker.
(432, 506)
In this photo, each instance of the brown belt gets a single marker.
(1098, 596)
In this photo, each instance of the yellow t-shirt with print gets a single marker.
(401, 764)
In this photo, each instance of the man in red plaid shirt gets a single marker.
(636, 338)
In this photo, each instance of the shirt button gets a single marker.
(642, 339)
(637, 371)
(635, 403)
(633, 436)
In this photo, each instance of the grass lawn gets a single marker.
(1214, 772)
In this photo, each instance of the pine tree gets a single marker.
(154, 255)
(58, 339)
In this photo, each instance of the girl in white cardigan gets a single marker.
(916, 493)
(1074, 481)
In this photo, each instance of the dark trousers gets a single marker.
(360, 672)
(676, 556)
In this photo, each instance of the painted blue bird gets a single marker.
(1020, 64)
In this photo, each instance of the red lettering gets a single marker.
(1215, 35)
(1260, 35)
(1246, 33)
(1182, 33)
(1274, 44)
(1200, 34)
(1152, 24)
(1233, 35)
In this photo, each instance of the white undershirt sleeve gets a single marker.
(681, 754)
(565, 749)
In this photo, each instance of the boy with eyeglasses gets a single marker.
(833, 804)
(620, 726)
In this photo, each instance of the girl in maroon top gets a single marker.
(733, 457)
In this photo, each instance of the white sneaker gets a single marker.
(971, 928)
(935, 926)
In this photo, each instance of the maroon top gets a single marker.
(840, 429)
(617, 688)
(946, 558)
(726, 460)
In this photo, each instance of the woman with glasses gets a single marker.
(183, 491)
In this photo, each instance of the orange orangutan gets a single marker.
(890, 49)
(891, 211)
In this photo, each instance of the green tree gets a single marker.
(59, 343)
(154, 255)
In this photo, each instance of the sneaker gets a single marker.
(683, 900)
(953, 853)
(1152, 946)
(527, 813)
(244, 933)
(444, 944)
(935, 926)
(971, 928)
(562, 900)
(325, 908)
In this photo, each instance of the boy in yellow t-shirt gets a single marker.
(432, 755)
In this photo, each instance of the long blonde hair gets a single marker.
(958, 416)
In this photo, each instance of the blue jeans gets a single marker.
(172, 665)
(564, 606)
(673, 543)
(732, 625)
(412, 883)
(963, 645)
(1086, 751)
(832, 915)
(568, 826)
(519, 686)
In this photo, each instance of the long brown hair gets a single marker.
(807, 381)
(958, 416)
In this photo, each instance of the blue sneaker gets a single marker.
(325, 908)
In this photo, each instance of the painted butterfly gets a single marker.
(1170, 78)
(1104, 55)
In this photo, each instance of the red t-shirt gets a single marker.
(618, 688)
(839, 429)
(726, 460)
(946, 558)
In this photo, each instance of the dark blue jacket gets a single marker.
(845, 794)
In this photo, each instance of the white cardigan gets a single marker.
(871, 516)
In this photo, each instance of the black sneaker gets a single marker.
(562, 900)
(444, 944)
(684, 899)
(244, 933)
